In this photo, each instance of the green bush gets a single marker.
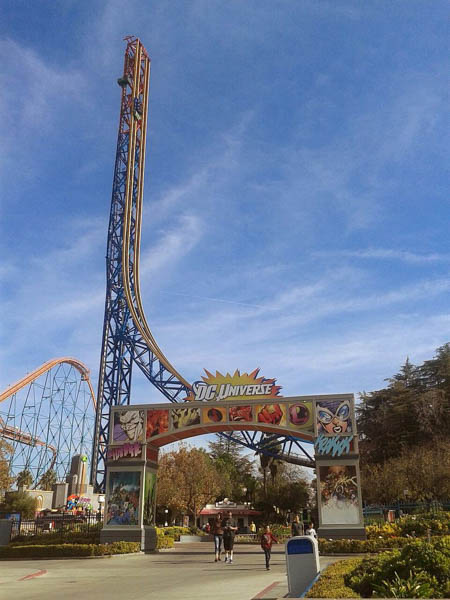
(438, 523)
(426, 563)
(58, 550)
(345, 546)
(164, 541)
(331, 582)
(175, 531)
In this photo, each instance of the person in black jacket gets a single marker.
(297, 527)
(229, 531)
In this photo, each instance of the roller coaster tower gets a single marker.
(127, 338)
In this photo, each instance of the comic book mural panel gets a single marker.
(157, 422)
(300, 415)
(339, 495)
(271, 414)
(185, 417)
(128, 426)
(334, 417)
(123, 498)
(214, 414)
(241, 413)
(149, 498)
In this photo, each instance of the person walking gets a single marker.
(297, 527)
(267, 539)
(252, 527)
(217, 531)
(311, 531)
(229, 531)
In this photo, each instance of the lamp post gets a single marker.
(166, 512)
(101, 502)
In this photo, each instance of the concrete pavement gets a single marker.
(188, 572)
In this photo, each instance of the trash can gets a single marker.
(302, 563)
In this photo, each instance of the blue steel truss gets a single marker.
(127, 339)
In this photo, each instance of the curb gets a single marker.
(23, 558)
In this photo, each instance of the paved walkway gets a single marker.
(188, 572)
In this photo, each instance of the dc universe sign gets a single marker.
(205, 391)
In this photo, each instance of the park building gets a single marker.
(243, 514)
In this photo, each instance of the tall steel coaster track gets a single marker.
(127, 338)
(47, 417)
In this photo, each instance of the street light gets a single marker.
(101, 501)
(166, 511)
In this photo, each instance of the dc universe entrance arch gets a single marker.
(137, 432)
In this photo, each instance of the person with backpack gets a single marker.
(267, 539)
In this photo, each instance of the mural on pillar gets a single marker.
(339, 495)
(149, 498)
(128, 426)
(123, 498)
(334, 417)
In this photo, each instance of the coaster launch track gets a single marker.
(127, 338)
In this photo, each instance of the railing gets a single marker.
(61, 524)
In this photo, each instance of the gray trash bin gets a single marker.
(302, 563)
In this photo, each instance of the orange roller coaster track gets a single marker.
(48, 412)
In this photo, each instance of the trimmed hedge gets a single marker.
(331, 583)
(365, 546)
(57, 550)
(174, 531)
(54, 538)
(164, 541)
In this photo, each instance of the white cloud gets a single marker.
(388, 254)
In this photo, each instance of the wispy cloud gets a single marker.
(386, 253)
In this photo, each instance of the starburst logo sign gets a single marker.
(234, 387)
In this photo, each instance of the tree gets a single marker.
(234, 468)
(47, 480)
(413, 410)
(187, 481)
(24, 479)
(287, 492)
(5, 478)
(20, 502)
(424, 472)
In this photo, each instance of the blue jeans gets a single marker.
(217, 543)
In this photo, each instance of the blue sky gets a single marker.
(296, 203)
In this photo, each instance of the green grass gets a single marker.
(331, 582)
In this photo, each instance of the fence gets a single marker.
(379, 513)
(56, 523)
